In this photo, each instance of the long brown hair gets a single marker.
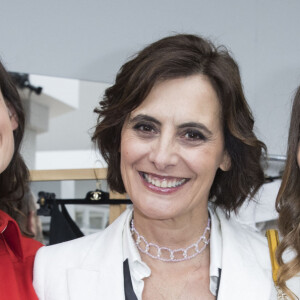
(14, 178)
(178, 56)
(288, 204)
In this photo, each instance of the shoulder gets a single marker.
(52, 263)
(233, 225)
(77, 252)
(30, 246)
(91, 254)
(250, 243)
(69, 253)
(246, 266)
(20, 245)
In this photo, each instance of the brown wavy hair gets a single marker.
(14, 178)
(178, 56)
(288, 204)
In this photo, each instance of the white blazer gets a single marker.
(92, 267)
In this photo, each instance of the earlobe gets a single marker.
(226, 163)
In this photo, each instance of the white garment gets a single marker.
(92, 267)
(140, 270)
(261, 209)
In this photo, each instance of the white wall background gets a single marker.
(73, 130)
(91, 39)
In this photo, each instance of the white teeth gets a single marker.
(163, 183)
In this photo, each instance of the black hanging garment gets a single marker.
(62, 227)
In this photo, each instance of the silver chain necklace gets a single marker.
(183, 252)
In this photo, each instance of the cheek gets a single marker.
(206, 161)
(132, 148)
(6, 149)
(131, 153)
(128, 151)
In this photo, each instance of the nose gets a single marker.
(163, 153)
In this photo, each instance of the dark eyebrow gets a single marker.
(144, 118)
(195, 125)
(147, 118)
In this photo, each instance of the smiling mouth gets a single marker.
(163, 182)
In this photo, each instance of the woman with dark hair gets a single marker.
(177, 135)
(288, 206)
(17, 251)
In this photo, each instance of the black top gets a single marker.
(129, 292)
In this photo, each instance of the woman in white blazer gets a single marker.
(177, 134)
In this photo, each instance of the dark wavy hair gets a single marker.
(288, 203)
(178, 56)
(14, 178)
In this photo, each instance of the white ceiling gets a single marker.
(90, 39)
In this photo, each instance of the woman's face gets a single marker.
(171, 148)
(7, 126)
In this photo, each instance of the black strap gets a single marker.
(218, 283)
(62, 227)
(129, 292)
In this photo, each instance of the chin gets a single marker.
(157, 212)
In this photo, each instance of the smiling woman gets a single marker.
(11, 132)
(17, 251)
(177, 135)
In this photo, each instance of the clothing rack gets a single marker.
(68, 174)
(276, 157)
(96, 197)
(116, 208)
(278, 162)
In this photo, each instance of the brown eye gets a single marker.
(194, 135)
(146, 128)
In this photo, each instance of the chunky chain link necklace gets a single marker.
(176, 255)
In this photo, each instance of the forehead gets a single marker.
(190, 98)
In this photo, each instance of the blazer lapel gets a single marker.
(241, 280)
(101, 274)
(83, 284)
(246, 268)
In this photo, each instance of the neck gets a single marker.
(179, 232)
